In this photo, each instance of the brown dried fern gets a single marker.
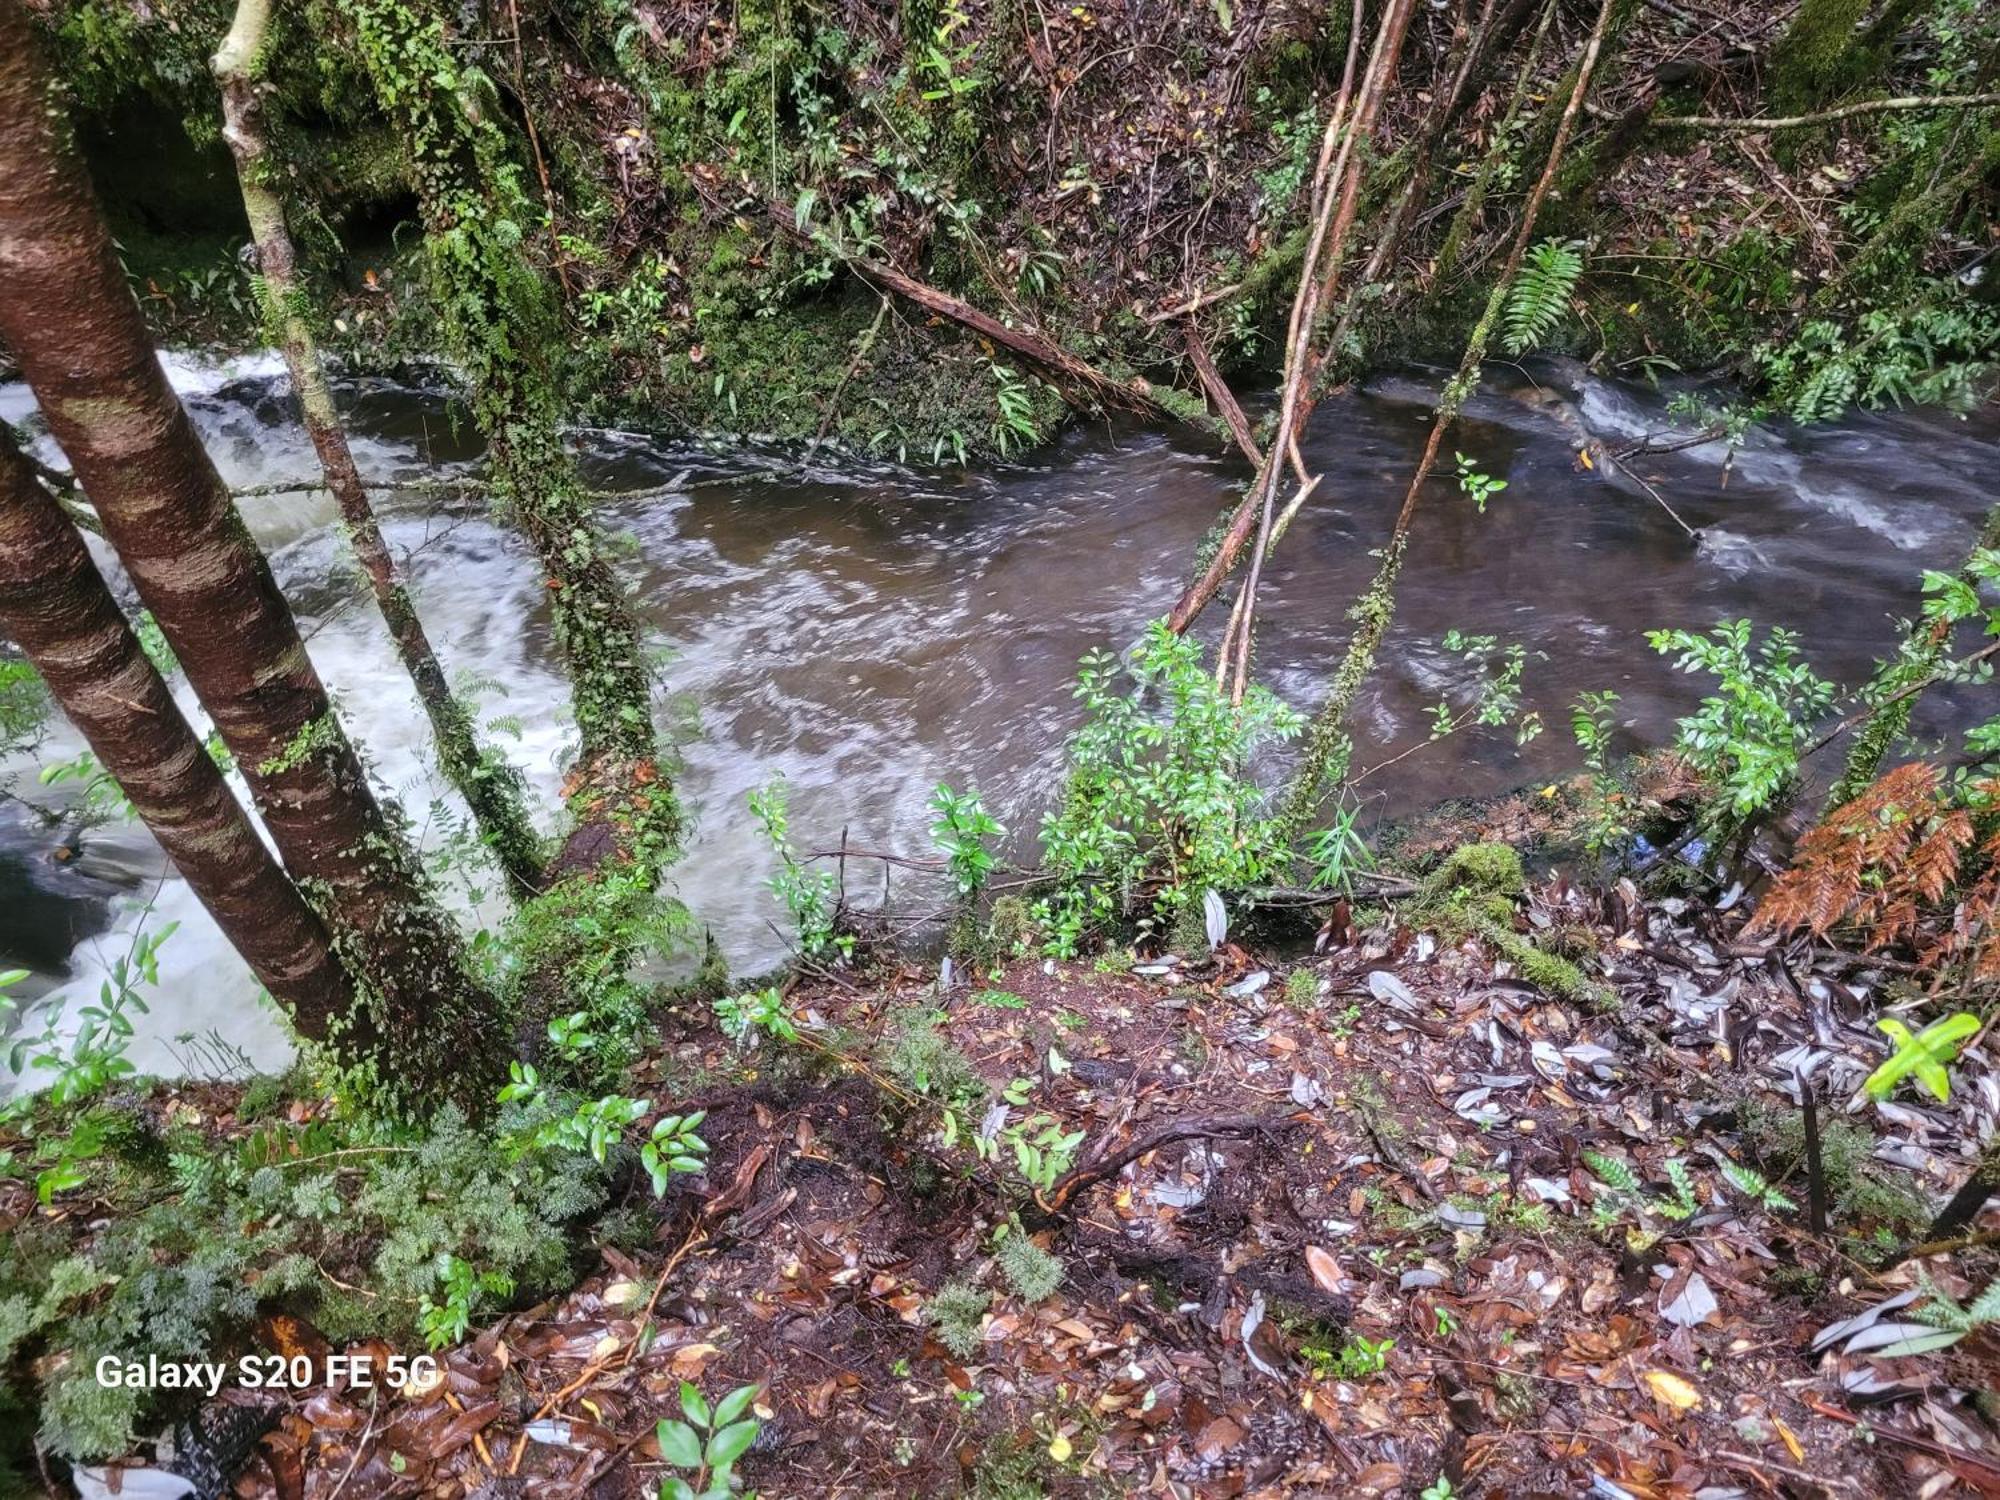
(1887, 862)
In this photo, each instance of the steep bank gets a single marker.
(1086, 172)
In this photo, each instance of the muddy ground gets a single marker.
(1369, 1255)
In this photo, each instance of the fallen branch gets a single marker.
(1104, 1168)
(1220, 396)
(1135, 394)
(1821, 117)
(1335, 197)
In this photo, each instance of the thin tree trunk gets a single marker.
(1327, 748)
(54, 605)
(1336, 194)
(492, 789)
(502, 326)
(71, 321)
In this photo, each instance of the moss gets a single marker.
(1479, 870)
(956, 1313)
(1472, 894)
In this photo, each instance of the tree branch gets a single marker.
(1821, 117)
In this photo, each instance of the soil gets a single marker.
(1382, 1148)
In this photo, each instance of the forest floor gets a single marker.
(1375, 1254)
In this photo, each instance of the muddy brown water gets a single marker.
(866, 629)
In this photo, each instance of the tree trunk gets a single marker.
(1810, 64)
(55, 606)
(492, 789)
(71, 321)
(574, 946)
(502, 326)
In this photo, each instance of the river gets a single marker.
(866, 629)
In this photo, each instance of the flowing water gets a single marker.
(867, 630)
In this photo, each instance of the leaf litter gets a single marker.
(1430, 1223)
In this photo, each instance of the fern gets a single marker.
(1538, 301)
(1881, 864)
(1683, 1203)
(1753, 1185)
(1612, 1172)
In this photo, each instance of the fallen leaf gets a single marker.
(1670, 1389)
(1325, 1270)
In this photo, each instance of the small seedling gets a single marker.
(707, 1444)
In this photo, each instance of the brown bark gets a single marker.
(71, 321)
(1337, 184)
(1220, 396)
(492, 789)
(54, 605)
(1327, 745)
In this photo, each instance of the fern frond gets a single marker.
(1755, 1186)
(1612, 1172)
(1538, 301)
(1683, 1203)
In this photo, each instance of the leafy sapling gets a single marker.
(1748, 736)
(811, 896)
(962, 831)
(1476, 484)
(707, 1444)
(465, 1287)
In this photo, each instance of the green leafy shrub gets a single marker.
(1747, 737)
(707, 1444)
(1159, 807)
(811, 896)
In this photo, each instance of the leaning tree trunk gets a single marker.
(54, 605)
(492, 789)
(503, 328)
(72, 322)
(1327, 745)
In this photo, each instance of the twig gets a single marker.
(1080, 1177)
(1861, 716)
(861, 352)
(1815, 1167)
(374, 1399)
(1846, 111)
(1194, 304)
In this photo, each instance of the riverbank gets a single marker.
(866, 630)
(732, 203)
(1389, 1218)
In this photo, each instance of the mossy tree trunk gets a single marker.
(71, 320)
(55, 606)
(492, 789)
(1812, 62)
(502, 326)
(575, 942)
